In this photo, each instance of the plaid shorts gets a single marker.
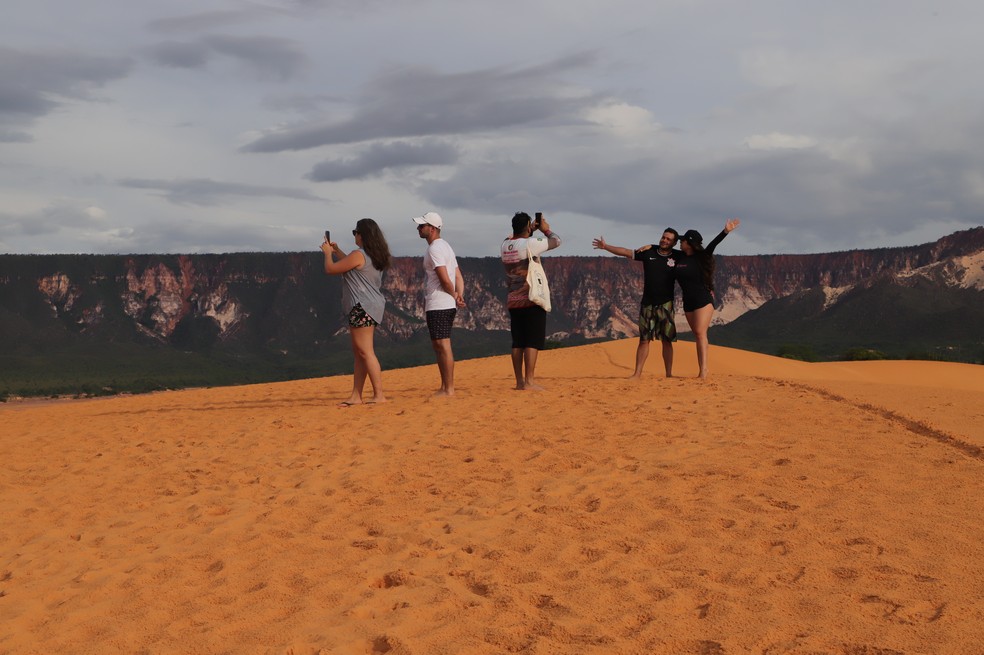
(357, 317)
(656, 322)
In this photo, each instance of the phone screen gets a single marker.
(327, 236)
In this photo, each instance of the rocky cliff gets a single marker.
(284, 302)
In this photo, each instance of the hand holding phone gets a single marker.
(538, 221)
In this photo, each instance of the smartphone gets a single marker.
(538, 220)
(327, 236)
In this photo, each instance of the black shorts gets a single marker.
(529, 327)
(439, 322)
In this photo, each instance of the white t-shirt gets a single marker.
(439, 253)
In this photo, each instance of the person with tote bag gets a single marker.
(527, 319)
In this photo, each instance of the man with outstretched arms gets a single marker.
(656, 311)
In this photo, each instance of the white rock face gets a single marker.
(972, 275)
(59, 292)
(221, 308)
(832, 294)
(158, 299)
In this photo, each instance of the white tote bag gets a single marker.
(537, 279)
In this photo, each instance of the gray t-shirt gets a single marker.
(363, 286)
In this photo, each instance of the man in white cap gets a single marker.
(443, 295)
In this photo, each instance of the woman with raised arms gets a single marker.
(695, 275)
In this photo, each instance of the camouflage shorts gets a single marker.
(656, 322)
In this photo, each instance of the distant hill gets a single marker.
(884, 318)
(107, 323)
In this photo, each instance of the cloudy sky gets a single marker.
(226, 125)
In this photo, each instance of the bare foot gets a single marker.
(532, 386)
(348, 403)
(443, 393)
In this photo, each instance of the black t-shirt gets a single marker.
(690, 275)
(658, 275)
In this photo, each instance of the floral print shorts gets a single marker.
(358, 318)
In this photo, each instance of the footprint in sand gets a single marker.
(779, 548)
(385, 645)
(864, 545)
(392, 579)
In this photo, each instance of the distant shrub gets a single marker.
(798, 351)
(926, 355)
(863, 354)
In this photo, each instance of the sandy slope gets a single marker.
(781, 507)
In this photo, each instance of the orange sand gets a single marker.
(781, 507)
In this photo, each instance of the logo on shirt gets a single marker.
(670, 262)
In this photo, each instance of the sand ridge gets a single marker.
(779, 507)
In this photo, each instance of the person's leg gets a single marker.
(515, 330)
(668, 357)
(664, 327)
(445, 364)
(642, 353)
(517, 362)
(362, 344)
(439, 324)
(647, 332)
(359, 374)
(536, 330)
(700, 320)
(529, 360)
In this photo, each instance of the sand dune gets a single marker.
(780, 507)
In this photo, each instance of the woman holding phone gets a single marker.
(362, 301)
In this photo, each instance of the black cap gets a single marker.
(692, 237)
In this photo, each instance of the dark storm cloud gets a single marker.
(197, 191)
(345, 6)
(210, 21)
(807, 190)
(32, 81)
(10, 136)
(269, 57)
(383, 156)
(182, 235)
(54, 218)
(422, 102)
(298, 102)
(180, 55)
(275, 56)
(799, 196)
(207, 21)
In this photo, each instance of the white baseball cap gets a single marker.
(430, 218)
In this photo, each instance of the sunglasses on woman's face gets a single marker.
(355, 232)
